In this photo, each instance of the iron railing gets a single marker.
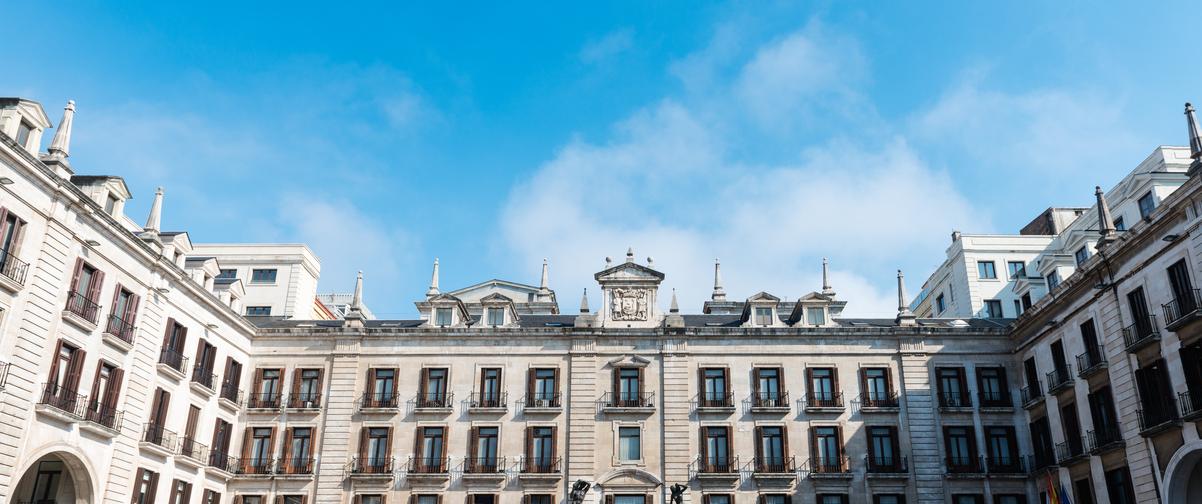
(1031, 393)
(831, 400)
(253, 466)
(954, 399)
(102, 415)
(119, 328)
(541, 400)
(717, 465)
(62, 398)
(1099, 440)
(222, 461)
(995, 399)
(778, 399)
(158, 435)
(13, 268)
(489, 399)
(371, 465)
(294, 465)
(304, 400)
(964, 464)
(879, 463)
(1006, 464)
(203, 376)
(1141, 333)
(722, 400)
(378, 400)
(1070, 449)
(428, 465)
(173, 359)
(1190, 403)
(1180, 309)
(887, 400)
(483, 465)
(828, 465)
(190, 448)
(433, 400)
(263, 400)
(80, 305)
(541, 465)
(1092, 360)
(1150, 420)
(642, 400)
(1060, 378)
(230, 392)
(773, 465)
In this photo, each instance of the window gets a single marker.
(1026, 299)
(227, 273)
(715, 449)
(1084, 490)
(84, 295)
(714, 391)
(961, 446)
(826, 447)
(877, 391)
(763, 316)
(496, 316)
(824, 388)
(181, 491)
(211, 497)
(888, 499)
(269, 386)
(816, 315)
(232, 379)
(262, 276)
(985, 270)
(260, 445)
(628, 386)
(1017, 269)
(121, 321)
(442, 317)
(429, 499)
(540, 450)
(298, 445)
(483, 450)
(1053, 280)
(490, 388)
(1105, 420)
(174, 339)
(1081, 255)
(883, 449)
(770, 449)
(65, 369)
(377, 450)
(252, 499)
(1119, 225)
(1003, 448)
(24, 131)
(1118, 486)
(940, 305)
(544, 392)
(1019, 499)
(991, 384)
(306, 388)
(768, 392)
(481, 499)
(258, 311)
(1146, 205)
(1185, 300)
(993, 309)
(718, 499)
(222, 434)
(1041, 440)
(1155, 394)
(968, 499)
(381, 388)
(371, 499)
(630, 499)
(832, 498)
(292, 499)
(953, 391)
(433, 393)
(629, 444)
(430, 444)
(1140, 317)
(1018, 308)
(11, 229)
(539, 499)
(146, 483)
(775, 499)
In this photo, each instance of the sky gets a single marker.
(492, 136)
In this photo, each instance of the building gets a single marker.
(339, 304)
(980, 277)
(133, 373)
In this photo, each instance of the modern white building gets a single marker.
(280, 279)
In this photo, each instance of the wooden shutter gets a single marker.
(759, 499)
(784, 441)
(835, 391)
(154, 487)
(271, 440)
(131, 309)
(530, 374)
(279, 499)
(53, 378)
(154, 406)
(76, 370)
(554, 443)
(248, 439)
(318, 388)
(650, 498)
(187, 492)
(809, 388)
(95, 393)
(167, 332)
(617, 387)
(75, 276)
(388, 444)
(423, 387)
(257, 385)
(759, 443)
(183, 338)
(704, 450)
(555, 377)
(726, 388)
(417, 444)
(814, 453)
(137, 486)
(358, 499)
(755, 385)
(296, 382)
(363, 441)
(609, 499)
(473, 442)
(888, 381)
(237, 499)
(864, 395)
(895, 442)
(396, 378)
(839, 443)
(200, 354)
(412, 498)
(116, 376)
(701, 385)
(116, 297)
(642, 386)
(190, 426)
(304, 499)
(94, 287)
(529, 445)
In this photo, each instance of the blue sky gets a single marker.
(492, 136)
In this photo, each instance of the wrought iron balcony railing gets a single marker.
(773, 465)
(61, 398)
(103, 415)
(203, 376)
(778, 399)
(879, 463)
(828, 465)
(964, 464)
(716, 465)
(716, 400)
(541, 465)
(428, 465)
(542, 400)
(954, 399)
(887, 400)
(1032, 394)
(1006, 464)
(158, 435)
(119, 328)
(263, 400)
(173, 359)
(1092, 360)
(304, 400)
(995, 399)
(628, 400)
(80, 305)
(371, 465)
(1140, 334)
(433, 400)
(295, 465)
(1098, 440)
(190, 448)
(1060, 379)
(230, 392)
(832, 400)
(483, 465)
(489, 400)
(379, 400)
(12, 267)
(1182, 309)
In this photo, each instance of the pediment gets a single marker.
(763, 296)
(630, 361)
(629, 271)
(629, 478)
(496, 298)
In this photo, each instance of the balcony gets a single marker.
(824, 403)
(1182, 311)
(491, 402)
(433, 402)
(769, 402)
(723, 403)
(1103, 440)
(295, 467)
(628, 403)
(253, 467)
(1011, 466)
(157, 439)
(995, 401)
(1191, 406)
(263, 402)
(484, 469)
(774, 471)
(1032, 395)
(1060, 379)
(118, 333)
(192, 453)
(1043, 460)
(540, 470)
(101, 420)
(1153, 422)
(875, 403)
(427, 469)
(172, 363)
(1140, 334)
(203, 379)
(1090, 362)
(827, 468)
(1070, 451)
(12, 271)
(955, 402)
(716, 469)
(964, 466)
(229, 395)
(304, 401)
(221, 465)
(370, 468)
(60, 403)
(379, 402)
(538, 403)
(886, 466)
(81, 312)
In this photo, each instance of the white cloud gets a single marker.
(604, 48)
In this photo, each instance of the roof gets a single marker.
(533, 321)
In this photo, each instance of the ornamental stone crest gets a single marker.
(629, 304)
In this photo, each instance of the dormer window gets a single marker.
(442, 317)
(24, 130)
(496, 316)
(110, 205)
(816, 315)
(763, 316)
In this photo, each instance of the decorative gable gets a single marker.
(760, 310)
(629, 292)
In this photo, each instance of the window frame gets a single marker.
(987, 270)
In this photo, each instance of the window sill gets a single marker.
(159, 450)
(187, 461)
(118, 343)
(227, 404)
(83, 324)
(98, 429)
(170, 372)
(10, 285)
(201, 390)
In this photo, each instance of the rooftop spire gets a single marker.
(433, 290)
(153, 221)
(904, 315)
(1105, 222)
(354, 312)
(542, 285)
(1195, 134)
(675, 308)
(719, 293)
(826, 279)
(60, 146)
(584, 302)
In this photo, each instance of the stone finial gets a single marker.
(543, 283)
(826, 279)
(1105, 222)
(1195, 134)
(630, 254)
(650, 261)
(433, 290)
(354, 312)
(60, 146)
(675, 308)
(905, 317)
(154, 220)
(609, 261)
(584, 302)
(719, 293)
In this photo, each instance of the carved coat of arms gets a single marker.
(629, 304)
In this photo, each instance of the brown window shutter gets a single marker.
(304, 499)
(53, 378)
(271, 441)
(761, 498)
(167, 332)
(835, 390)
(383, 498)
(705, 499)
(704, 449)
(417, 443)
(530, 373)
(784, 440)
(154, 488)
(467, 498)
(423, 387)
(388, 443)
(642, 384)
(755, 385)
(154, 406)
(412, 498)
(94, 287)
(257, 383)
(363, 441)
(609, 499)
(473, 442)
(864, 383)
(190, 426)
(358, 499)
(529, 445)
(200, 352)
(895, 440)
(759, 443)
(396, 378)
(279, 499)
(95, 393)
(554, 443)
(116, 296)
(113, 394)
(237, 499)
(131, 309)
(839, 442)
(76, 274)
(320, 375)
(888, 380)
(650, 498)
(247, 440)
(701, 383)
(525, 499)
(809, 388)
(187, 492)
(137, 486)
(182, 340)
(617, 371)
(438, 499)
(555, 376)
(73, 376)
(296, 379)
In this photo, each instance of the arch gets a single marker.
(79, 466)
(628, 477)
(1179, 482)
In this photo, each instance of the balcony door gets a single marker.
(431, 446)
(1183, 289)
(713, 386)
(541, 447)
(490, 387)
(882, 446)
(485, 451)
(827, 448)
(543, 386)
(767, 386)
(715, 448)
(771, 448)
(876, 384)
